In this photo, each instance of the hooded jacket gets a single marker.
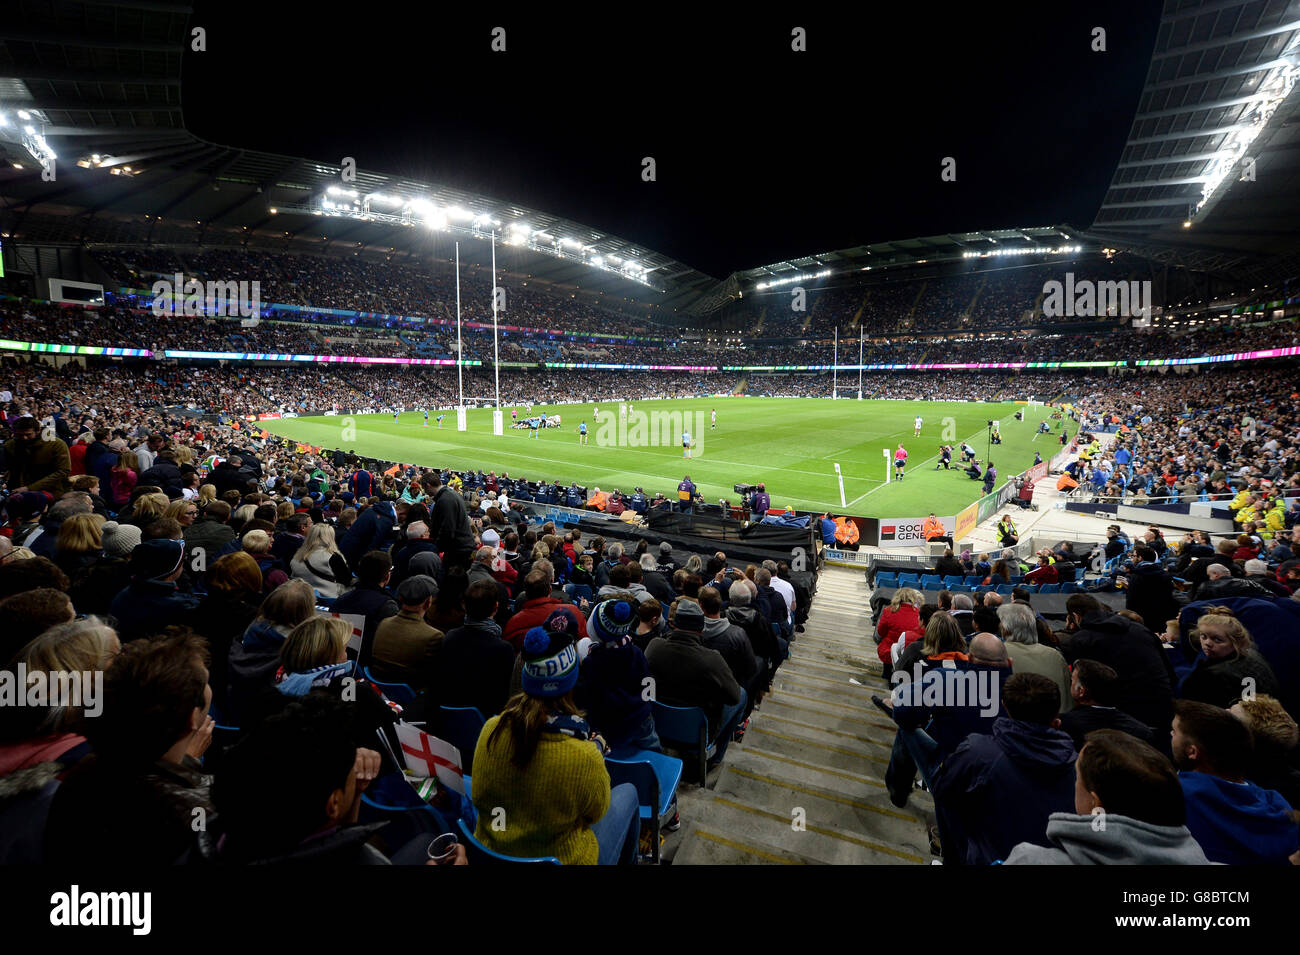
(893, 624)
(761, 639)
(372, 531)
(1078, 840)
(1151, 594)
(1238, 823)
(1145, 688)
(688, 673)
(611, 690)
(996, 791)
(730, 640)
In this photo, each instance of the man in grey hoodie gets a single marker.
(1130, 811)
(730, 640)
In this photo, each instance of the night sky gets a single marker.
(762, 153)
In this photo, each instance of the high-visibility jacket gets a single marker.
(1240, 500)
(599, 500)
(933, 527)
(1066, 483)
(846, 531)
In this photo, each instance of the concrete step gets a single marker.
(860, 741)
(702, 846)
(830, 717)
(874, 819)
(785, 740)
(845, 695)
(754, 828)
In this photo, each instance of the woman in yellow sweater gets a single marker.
(540, 784)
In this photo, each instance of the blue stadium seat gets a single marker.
(403, 694)
(951, 582)
(983, 588)
(1070, 587)
(974, 580)
(1050, 589)
(886, 579)
(909, 580)
(1005, 589)
(685, 728)
(461, 726)
(480, 854)
(392, 799)
(655, 777)
(931, 582)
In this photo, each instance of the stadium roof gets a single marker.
(1210, 175)
(97, 84)
(959, 246)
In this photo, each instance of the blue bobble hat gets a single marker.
(550, 663)
(612, 621)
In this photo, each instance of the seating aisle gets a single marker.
(806, 785)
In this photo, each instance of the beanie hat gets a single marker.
(27, 504)
(550, 663)
(563, 620)
(120, 539)
(689, 616)
(612, 620)
(156, 559)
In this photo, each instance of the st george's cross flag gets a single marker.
(427, 755)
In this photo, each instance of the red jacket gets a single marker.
(1043, 575)
(893, 624)
(533, 614)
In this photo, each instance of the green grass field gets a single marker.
(791, 445)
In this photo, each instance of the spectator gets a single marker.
(408, 650)
(208, 536)
(999, 790)
(687, 673)
(934, 717)
(612, 682)
(317, 795)
(1235, 821)
(319, 562)
(898, 618)
(137, 797)
(1135, 794)
(449, 522)
(34, 463)
(1220, 584)
(477, 663)
(255, 657)
(731, 641)
(539, 603)
(152, 602)
(540, 763)
(1020, 630)
(225, 612)
(1092, 688)
(1276, 736)
(1144, 688)
(1231, 668)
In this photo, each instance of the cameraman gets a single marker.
(760, 503)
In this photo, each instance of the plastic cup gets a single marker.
(442, 850)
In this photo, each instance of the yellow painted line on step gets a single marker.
(842, 800)
(748, 850)
(822, 729)
(808, 709)
(807, 742)
(821, 830)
